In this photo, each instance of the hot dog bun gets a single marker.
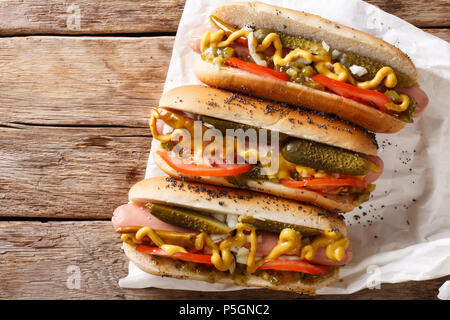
(298, 95)
(230, 201)
(293, 121)
(310, 26)
(313, 27)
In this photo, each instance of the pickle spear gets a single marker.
(323, 157)
(189, 219)
(277, 227)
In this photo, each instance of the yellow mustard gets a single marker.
(340, 72)
(285, 170)
(172, 119)
(149, 232)
(289, 243)
(399, 107)
(336, 245)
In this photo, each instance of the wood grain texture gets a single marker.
(74, 138)
(26, 17)
(37, 260)
(432, 13)
(82, 80)
(444, 34)
(88, 17)
(69, 172)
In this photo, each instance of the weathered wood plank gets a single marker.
(39, 261)
(89, 17)
(69, 172)
(441, 33)
(432, 13)
(82, 80)
(118, 16)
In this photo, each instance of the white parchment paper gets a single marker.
(403, 232)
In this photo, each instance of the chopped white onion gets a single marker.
(232, 221)
(219, 216)
(234, 249)
(248, 28)
(218, 237)
(325, 46)
(252, 43)
(304, 61)
(358, 70)
(335, 54)
(286, 257)
(242, 255)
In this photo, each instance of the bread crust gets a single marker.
(231, 201)
(166, 267)
(333, 203)
(296, 94)
(293, 121)
(310, 26)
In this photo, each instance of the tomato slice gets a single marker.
(294, 265)
(346, 90)
(189, 257)
(242, 41)
(324, 183)
(217, 170)
(277, 264)
(256, 69)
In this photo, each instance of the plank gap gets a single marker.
(49, 220)
(68, 125)
(106, 35)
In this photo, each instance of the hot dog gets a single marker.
(193, 231)
(305, 60)
(317, 158)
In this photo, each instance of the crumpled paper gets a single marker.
(403, 232)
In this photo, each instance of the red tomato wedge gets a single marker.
(349, 91)
(278, 264)
(217, 170)
(189, 257)
(294, 265)
(243, 41)
(256, 69)
(291, 183)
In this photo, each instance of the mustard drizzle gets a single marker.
(289, 243)
(322, 63)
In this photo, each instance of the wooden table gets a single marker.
(74, 98)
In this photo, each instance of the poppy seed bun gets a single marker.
(293, 121)
(167, 267)
(230, 201)
(312, 27)
(296, 94)
(316, 28)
